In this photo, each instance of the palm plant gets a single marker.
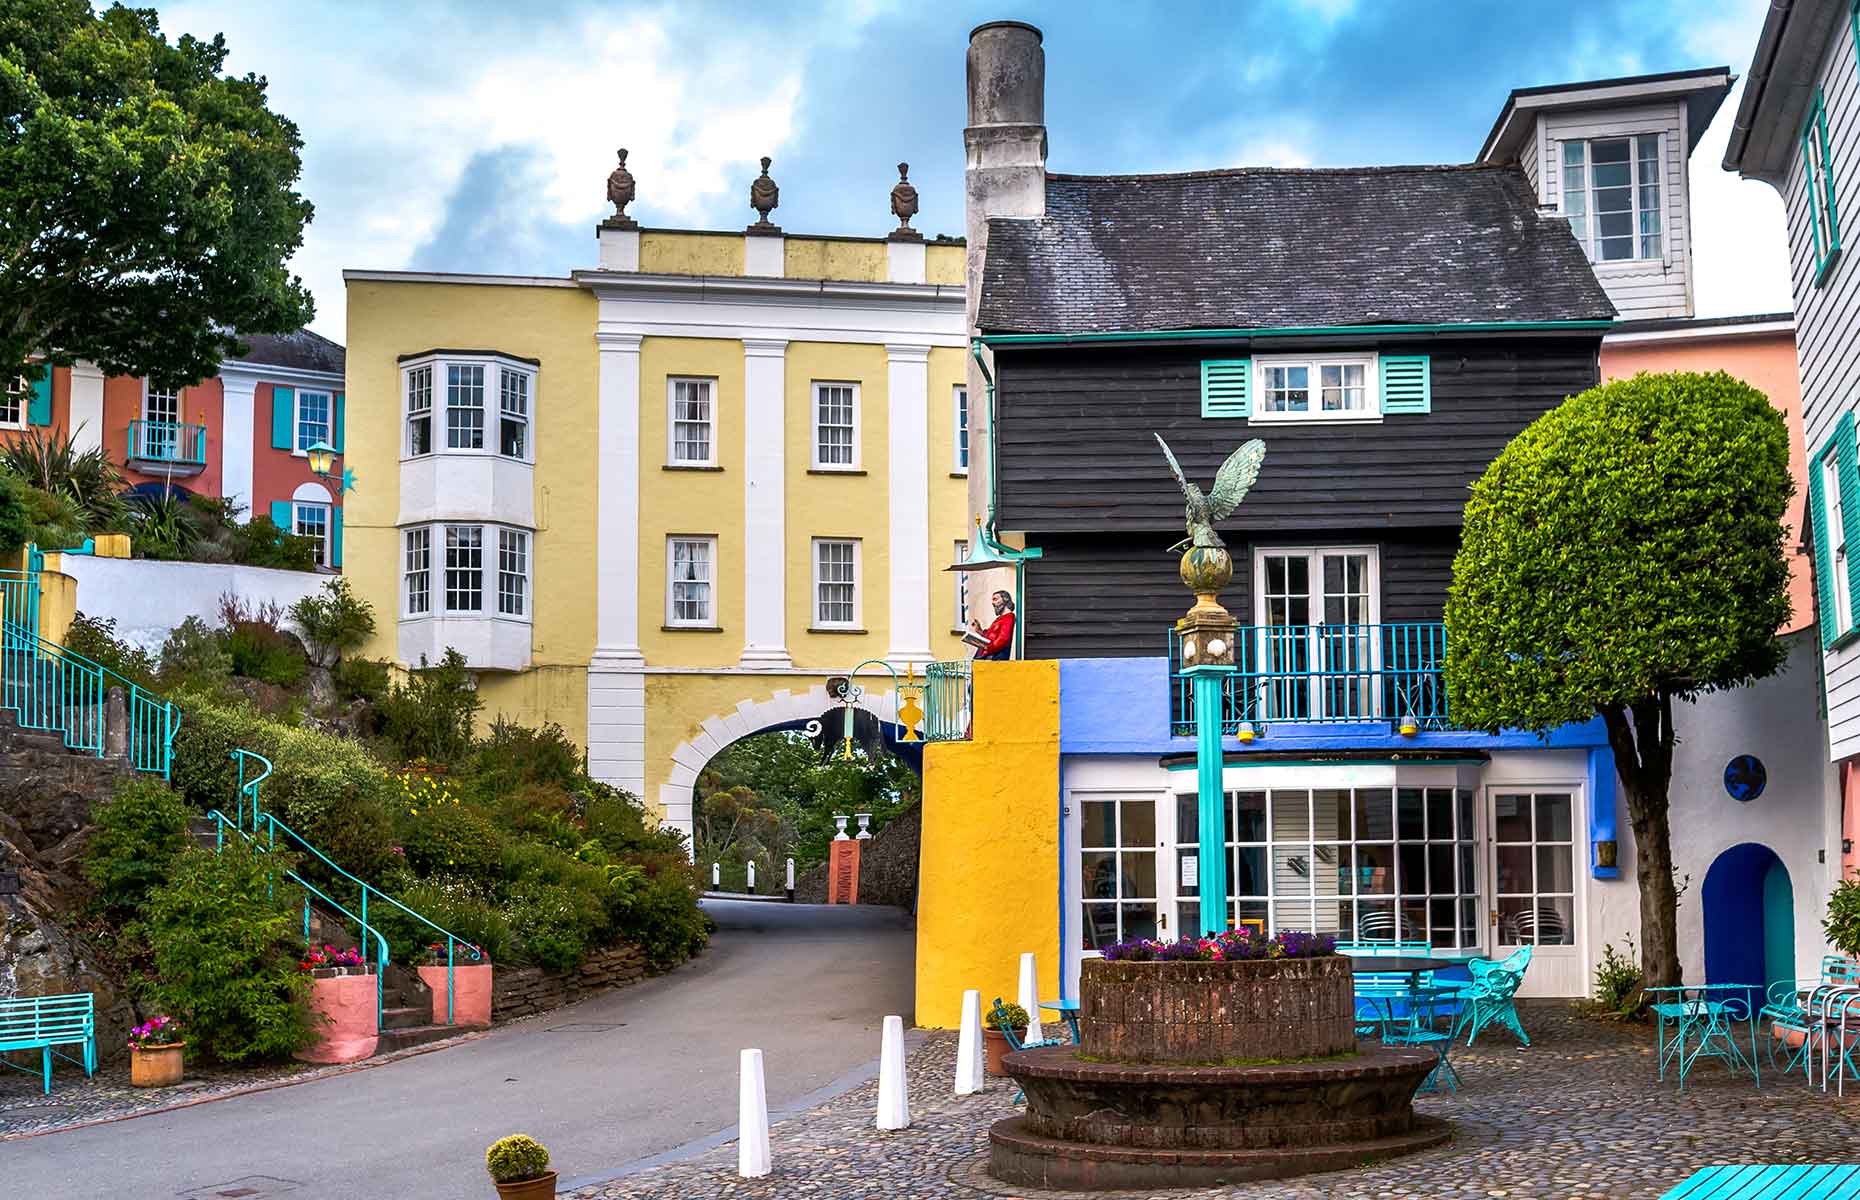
(51, 462)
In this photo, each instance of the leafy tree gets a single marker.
(1625, 551)
(147, 201)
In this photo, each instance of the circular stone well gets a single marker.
(1192, 1074)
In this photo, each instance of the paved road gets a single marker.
(808, 984)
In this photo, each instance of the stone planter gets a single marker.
(343, 1010)
(472, 1004)
(994, 1049)
(155, 1066)
(540, 1188)
(1210, 1013)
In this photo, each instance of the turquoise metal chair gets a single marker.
(1704, 1020)
(1490, 998)
(1015, 1043)
(1792, 1029)
(1425, 1011)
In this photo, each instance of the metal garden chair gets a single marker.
(1424, 1011)
(1489, 998)
(1704, 1018)
(1792, 1030)
(1015, 1043)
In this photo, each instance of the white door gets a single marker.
(1126, 879)
(1534, 885)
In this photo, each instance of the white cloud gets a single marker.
(1740, 247)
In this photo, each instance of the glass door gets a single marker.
(1533, 857)
(161, 416)
(1124, 889)
(1316, 650)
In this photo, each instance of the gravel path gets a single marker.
(1579, 1114)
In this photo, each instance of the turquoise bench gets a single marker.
(44, 1022)
(1770, 1183)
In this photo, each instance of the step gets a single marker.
(418, 1035)
(405, 1018)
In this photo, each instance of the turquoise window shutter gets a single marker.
(1824, 557)
(336, 422)
(39, 407)
(283, 418)
(1848, 470)
(281, 514)
(1827, 159)
(335, 536)
(1407, 383)
(1226, 389)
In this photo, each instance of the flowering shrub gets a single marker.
(329, 956)
(463, 955)
(1232, 946)
(156, 1031)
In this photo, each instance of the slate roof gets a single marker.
(1275, 247)
(303, 350)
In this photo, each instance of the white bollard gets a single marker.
(969, 1073)
(894, 1106)
(752, 876)
(791, 875)
(752, 1119)
(716, 876)
(1030, 997)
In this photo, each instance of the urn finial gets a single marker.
(904, 206)
(620, 193)
(764, 197)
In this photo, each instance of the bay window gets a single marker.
(458, 392)
(483, 570)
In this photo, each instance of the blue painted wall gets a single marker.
(1749, 917)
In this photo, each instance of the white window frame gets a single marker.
(408, 570)
(709, 619)
(17, 392)
(1314, 365)
(1583, 224)
(1835, 521)
(299, 447)
(959, 414)
(962, 588)
(437, 414)
(327, 511)
(1318, 696)
(858, 573)
(672, 457)
(490, 570)
(519, 416)
(813, 392)
(512, 545)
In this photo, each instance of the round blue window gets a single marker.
(1744, 777)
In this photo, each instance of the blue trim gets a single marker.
(1602, 810)
(1064, 972)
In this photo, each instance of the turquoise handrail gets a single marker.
(168, 442)
(273, 827)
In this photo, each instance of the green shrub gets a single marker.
(432, 715)
(85, 480)
(1617, 980)
(1842, 924)
(16, 527)
(441, 838)
(259, 543)
(1012, 1015)
(554, 923)
(95, 638)
(195, 655)
(461, 908)
(364, 679)
(514, 756)
(335, 622)
(663, 917)
(618, 821)
(516, 1158)
(139, 832)
(221, 933)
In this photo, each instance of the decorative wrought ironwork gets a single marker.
(947, 697)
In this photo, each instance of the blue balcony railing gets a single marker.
(1324, 675)
(168, 442)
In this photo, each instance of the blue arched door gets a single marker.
(1749, 917)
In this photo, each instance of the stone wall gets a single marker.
(887, 866)
(521, 991)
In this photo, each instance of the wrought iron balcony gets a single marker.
(167, 448)
(1324, 675)
(947, 702)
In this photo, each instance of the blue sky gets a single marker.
(471, 137)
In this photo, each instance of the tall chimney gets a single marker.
(1005, 177)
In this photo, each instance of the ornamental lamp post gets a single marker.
(322, 457)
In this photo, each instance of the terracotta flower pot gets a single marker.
(540, 1188)
(994, 1046)
(155, 1066)
(1792, 1038)
(472, 1005)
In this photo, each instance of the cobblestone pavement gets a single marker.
(25, 1109)
(1578, 1114)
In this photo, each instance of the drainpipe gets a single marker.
(987, 531)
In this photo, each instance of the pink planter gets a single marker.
(472, 1006)
(342, 1007)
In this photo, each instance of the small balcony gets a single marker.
(947, 698)
(1324, 675)
(167, 448)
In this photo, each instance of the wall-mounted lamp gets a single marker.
(1246, 732)
(322, 457)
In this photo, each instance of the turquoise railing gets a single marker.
(253, 820)
(947, 695)
(168, 442)
(55, 689)
(1325, 675)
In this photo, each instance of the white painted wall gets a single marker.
(148, 599)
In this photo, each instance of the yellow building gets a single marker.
(659, 502)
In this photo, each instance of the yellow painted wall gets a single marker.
(691, 253)
(949, 503)
(989, 862)
(690, 502)
(555, 693)
(838, 505)
(551, 324)
(945, 264)
(829, 258)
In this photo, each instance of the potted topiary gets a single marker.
(519, 1166)
(155, 1048)
(994, 1042)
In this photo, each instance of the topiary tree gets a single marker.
(1625, 551)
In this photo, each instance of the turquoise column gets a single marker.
(1208, 684)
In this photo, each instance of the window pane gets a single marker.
(1333, 814)
(1554, 873)
(835, 572)
(1411, 857)
(1139, 825)
(1139, 920)
(464, 568)
(1553, 817)
(1375, 869)
(1249, 872)
(1372, 814)
(419, 561)
(1511, 818)
(1249, 817)
(1440, 814)
(1439, 870)
(312, 419)
(1099, 874)
(1410, 817)
(513, 549)
(1099, 823)
(1514, 869)
(464, 406)
(1139, 873)
(513, 410)
(691, 421)
(833, 428)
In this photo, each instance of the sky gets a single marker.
(474, 137)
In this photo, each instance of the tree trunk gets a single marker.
(1644, 760)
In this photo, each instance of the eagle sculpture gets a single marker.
(1230, 487)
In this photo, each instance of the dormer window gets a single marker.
(1611, 196)
(468, 403)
